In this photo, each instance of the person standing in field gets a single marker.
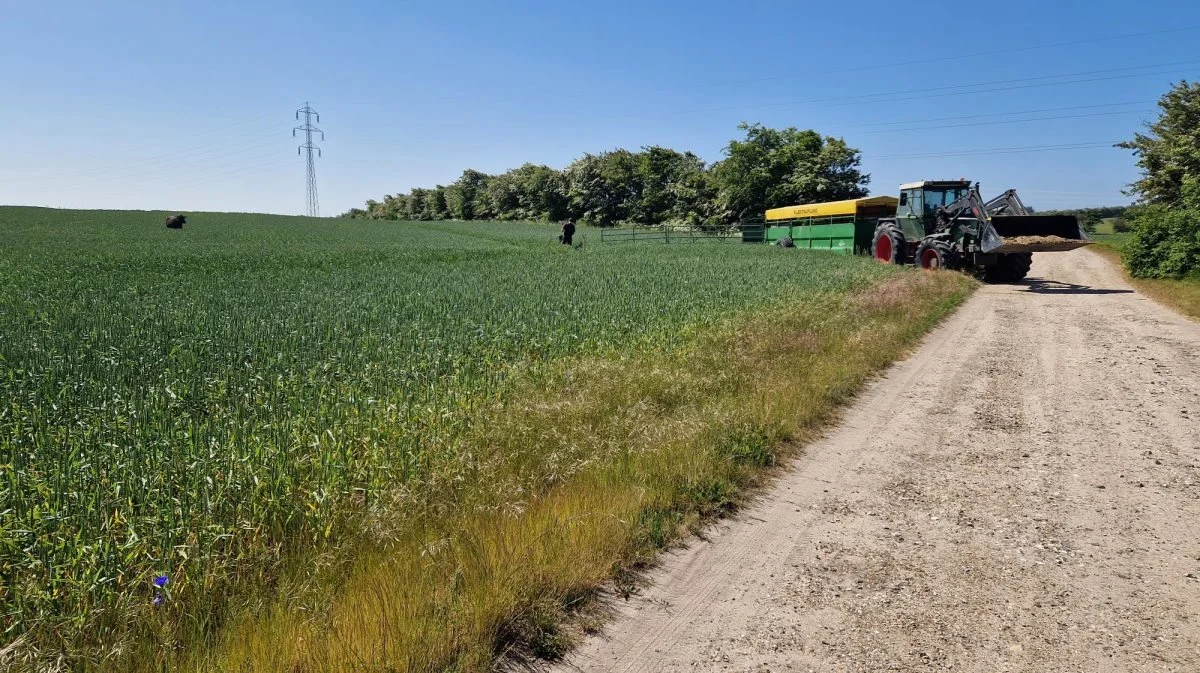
(568, 231)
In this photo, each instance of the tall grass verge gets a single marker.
(583, 475)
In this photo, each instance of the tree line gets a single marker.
(765, 168)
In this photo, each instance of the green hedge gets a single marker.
(1165, 244)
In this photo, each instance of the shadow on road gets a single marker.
(1043, 286)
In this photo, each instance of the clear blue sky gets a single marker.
(189, 105)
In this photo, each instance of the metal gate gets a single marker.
(743, 232)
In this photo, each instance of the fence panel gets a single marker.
(752, 232)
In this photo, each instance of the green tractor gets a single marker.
(945, 224)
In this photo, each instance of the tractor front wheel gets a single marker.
(1009, 268)
(935, 253)
(889, 244)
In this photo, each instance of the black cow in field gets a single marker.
(176, 222)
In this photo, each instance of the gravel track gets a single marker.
(1021, 494)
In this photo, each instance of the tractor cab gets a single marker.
(919, 202)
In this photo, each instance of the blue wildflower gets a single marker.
(160, 587)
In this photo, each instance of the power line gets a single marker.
(207, 170)
(174, 165)
(258, 169)
(1020, 86)
(842, 71)
(174, 157)
(1000, 114)
(257, 119)
(1009, 121)
(179, 168)
(221, 146)
(1050, 191)
(956, 57)
(314, 207)
(998, 150)
(974, 88)
(206, 174)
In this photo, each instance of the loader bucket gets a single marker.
(1033, 233)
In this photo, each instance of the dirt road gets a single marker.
(1022, 494)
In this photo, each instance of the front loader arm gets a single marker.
(969, 205)
(1007, 203)
(968, 219)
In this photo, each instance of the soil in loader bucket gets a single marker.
(1035, 233)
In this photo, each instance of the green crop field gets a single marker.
(1115, 241)
(216, 404)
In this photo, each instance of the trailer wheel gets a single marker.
(1009, 268)
(786, 242)
(935, 253)
(888, 245)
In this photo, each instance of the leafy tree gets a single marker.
(555, 201)
(1089, 220)
(392, 208)
(541, 193)
(663, 173)
(777, 167)
(464, 196)
(696, 201)
(1170, 152)
(604, 188)
(418, 205)
(1166, 234)
(437, 204)
(502, 196)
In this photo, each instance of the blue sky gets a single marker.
(189, 105)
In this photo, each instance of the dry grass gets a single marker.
(1182, 295)
(585, 475)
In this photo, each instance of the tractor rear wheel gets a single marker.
(1009, 268)
(889, 245)
(935, 253)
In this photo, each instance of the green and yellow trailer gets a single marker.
(844, 227)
